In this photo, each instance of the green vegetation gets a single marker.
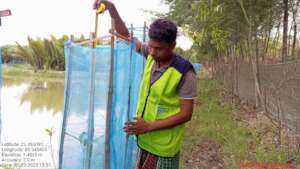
(44, 54)
(9, 54)
(26, 71)
(226, 34)
(242, 28)
(217, 120)
(41, 54)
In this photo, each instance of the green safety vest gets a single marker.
(159, 101)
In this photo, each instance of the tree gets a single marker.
(285, 29)
(44, 54)
(295, 13)
(226, 30)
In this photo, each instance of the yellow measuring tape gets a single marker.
(99, 10)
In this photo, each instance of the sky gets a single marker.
(41, 18)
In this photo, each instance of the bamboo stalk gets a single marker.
(103, 38)
(89, 145)
(109, 104)
(66, 108)
(129, 97)
(144, 40)
(87, 41)
(120, 36)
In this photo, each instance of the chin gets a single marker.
(156, 58)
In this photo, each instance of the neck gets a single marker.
(165, 63)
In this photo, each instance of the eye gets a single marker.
(155, 48)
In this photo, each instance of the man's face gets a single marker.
(161, 51)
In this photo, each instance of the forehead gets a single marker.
(157, 44)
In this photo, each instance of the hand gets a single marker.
(105, 2)
(137, 127)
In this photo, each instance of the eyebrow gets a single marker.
(159, 47)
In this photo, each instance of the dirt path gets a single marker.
(205, 155)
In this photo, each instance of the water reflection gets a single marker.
(28, 108)
(41, 95)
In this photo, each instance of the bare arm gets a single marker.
(140, 126)
(119, 24)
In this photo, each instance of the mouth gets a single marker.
(155, 57)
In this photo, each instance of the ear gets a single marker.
(173, 45)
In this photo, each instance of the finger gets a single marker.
(130, 123)
(130, 131)
(136, 118)
(96, 4)
(129, 128)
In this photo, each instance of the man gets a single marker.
(166, 96)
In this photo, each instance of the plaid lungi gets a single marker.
(147, 160)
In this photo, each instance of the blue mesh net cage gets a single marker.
(87, 91)
(101, 92)
(197, 67)
(0, 90)
(0, 68)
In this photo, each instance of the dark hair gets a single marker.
(163, 30)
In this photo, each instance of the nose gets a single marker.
(152, 52)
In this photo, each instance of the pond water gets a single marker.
(30, 111)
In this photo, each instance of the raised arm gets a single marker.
(119, 24)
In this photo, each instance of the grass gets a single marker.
(25, 71)
(214, 119)
(217, 120)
